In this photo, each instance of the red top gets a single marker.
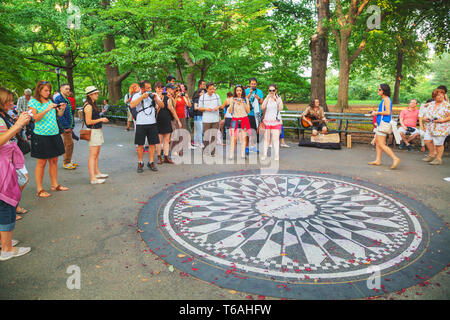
(72, 102)
(180, 107)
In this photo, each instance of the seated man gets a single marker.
(315, 117)
(408, 123)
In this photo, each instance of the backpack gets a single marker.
(134, 111)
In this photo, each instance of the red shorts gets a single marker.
(240, 123)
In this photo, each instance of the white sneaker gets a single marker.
(285, 145)
(99, 181)
(14, 243)
(102, 176)
(17, 252)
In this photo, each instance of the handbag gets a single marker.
(23, 145)
(385, 127)
(85, 134)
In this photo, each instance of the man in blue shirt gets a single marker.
(256, 98)
(67, 123)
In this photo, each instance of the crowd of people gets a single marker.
(48, 121)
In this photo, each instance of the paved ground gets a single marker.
(94, 227)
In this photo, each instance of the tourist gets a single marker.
(240, 125)
(423, 129)
(384, 126)
(46, 142)
(67, 124)
(255, 97)
(22, 102)
(198, 115)
(9, 122)
(134, 88)
(209, 103)
(438, 115)
(94, 122)
(445, 90)
(11, 159)
(271, 108)
(169, 79)
(182, 102)
(146, 104)
(315, 116)
(226, 122)
(408, 121)
(105, 108)
(165, 115)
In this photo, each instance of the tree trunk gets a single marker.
(344, 70)
(398, 74)
(113, 76)
(68, 66)
(319, 55)
(191, 83)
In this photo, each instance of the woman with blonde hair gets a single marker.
(11, 160)
(134, 88)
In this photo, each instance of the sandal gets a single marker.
(18, 218)
(39, 194)
(21, 210)
(59, 188)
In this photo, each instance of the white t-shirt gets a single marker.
(207, 101)
(148, 116)
(228, 114)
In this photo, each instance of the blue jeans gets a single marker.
(198, 130)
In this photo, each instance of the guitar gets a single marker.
(306, 124)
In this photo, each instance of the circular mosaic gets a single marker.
(295, 228)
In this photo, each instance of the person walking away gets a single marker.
(384, 115)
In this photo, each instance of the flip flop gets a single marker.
(18, 218)
(39, 194)
(59, 188)
(21, 211)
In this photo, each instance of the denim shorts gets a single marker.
(7, 217)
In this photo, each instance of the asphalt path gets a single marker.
(93, 227)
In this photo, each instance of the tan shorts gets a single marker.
(96, 138)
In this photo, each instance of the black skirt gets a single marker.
(164, 121)
(46, 147)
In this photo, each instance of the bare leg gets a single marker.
(242, 135)
(276, 143)
(430, 146)
(39, 172)
(6, 240)
(92, 162)
(439, 152)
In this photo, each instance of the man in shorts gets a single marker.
(408, 125)
(146, 104)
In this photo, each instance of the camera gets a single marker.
(182, 94)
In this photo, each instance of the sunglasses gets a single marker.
(272, 90)
(380, 89)
(44, 82)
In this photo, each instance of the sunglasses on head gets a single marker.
(44, 82)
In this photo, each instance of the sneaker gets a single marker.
(102, 176)
(192, 147)
(410, 148)
(140, 167)
(246, 151)
(428, 159)
(402, 146)
(98, 181)
(152, 166)
(284, 145)
(436, 162)
(14, 243)
(74, 164)
(69, 166)
(17, 252)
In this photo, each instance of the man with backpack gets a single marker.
(146, 105)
